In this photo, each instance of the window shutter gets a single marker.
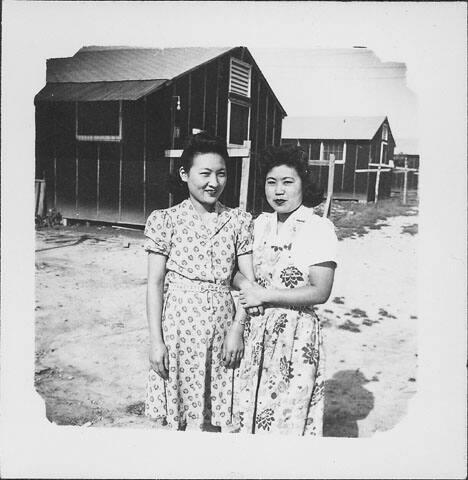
(239, 79)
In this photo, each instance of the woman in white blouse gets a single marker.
(280, 383)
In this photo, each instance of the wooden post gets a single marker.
(405, 181)
(377, 181)
(98, 174)
(244, 185)
(331, 175)
(145, 139)
(378, 168)
(405, 170)
(234, 152)
(173, 130)
(40, 194)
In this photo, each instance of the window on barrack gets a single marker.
(99, 121)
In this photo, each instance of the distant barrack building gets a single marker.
(407, 155)
(107, 115)
(359, 145)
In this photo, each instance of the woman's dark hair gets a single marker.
(198, 143)
(294, 157)
(202, 143)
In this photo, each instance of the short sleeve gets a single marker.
(158, 233)
(319, 244)
(244, 239)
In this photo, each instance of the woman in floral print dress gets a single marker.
(280, 383)
(192, 251)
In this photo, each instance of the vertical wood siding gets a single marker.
(124, 181)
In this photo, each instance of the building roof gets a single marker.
(116, 64)
(331, 128)
(89, 92)
(123, 73)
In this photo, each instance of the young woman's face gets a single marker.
(283, 189)
(206, 178)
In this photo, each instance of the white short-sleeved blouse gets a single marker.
(313, 238)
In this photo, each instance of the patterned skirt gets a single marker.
(280, 383)
(198, 392)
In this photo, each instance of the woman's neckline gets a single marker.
(279, 227)
(204, 213)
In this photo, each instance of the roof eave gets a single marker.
(185, 72)
(156, 88)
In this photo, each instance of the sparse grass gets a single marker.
(368, 323)
(136, 408)
(410, 229)
(358, 313)
(355, 219)
(350, 326)
(339, 300)
(325, 322)
(384, 313)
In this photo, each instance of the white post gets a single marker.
(331, 174)
(244, 185)
(344, 164)
(42, 187)
(242, 152)
(405, 181)
(377, 181)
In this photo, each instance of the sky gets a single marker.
(341, 81)
(310, 72)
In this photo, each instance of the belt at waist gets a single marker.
(178, 282)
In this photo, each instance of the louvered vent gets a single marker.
(239, 80)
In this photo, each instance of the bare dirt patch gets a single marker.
(91, 334)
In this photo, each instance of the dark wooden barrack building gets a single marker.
(359, 145)
(107, 115)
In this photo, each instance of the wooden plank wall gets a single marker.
(158, 139)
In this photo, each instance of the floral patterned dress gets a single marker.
(198, 309)
(280, 380)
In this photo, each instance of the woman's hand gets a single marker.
(255, 311)
(253, 296)
(159, 359)
(233, 347)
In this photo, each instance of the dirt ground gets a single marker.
(91, 333)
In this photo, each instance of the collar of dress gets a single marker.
(221, 213)
(297, 218)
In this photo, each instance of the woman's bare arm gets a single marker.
(240, 281)
(321, 277)
(154, 306)
(245, 265)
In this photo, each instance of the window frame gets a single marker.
(98, 138)
(322, 151)
(384, 132)
(228, 130)
(381, 162)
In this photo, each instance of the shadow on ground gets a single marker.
(346, 402)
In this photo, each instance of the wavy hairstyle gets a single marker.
(294, 157)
